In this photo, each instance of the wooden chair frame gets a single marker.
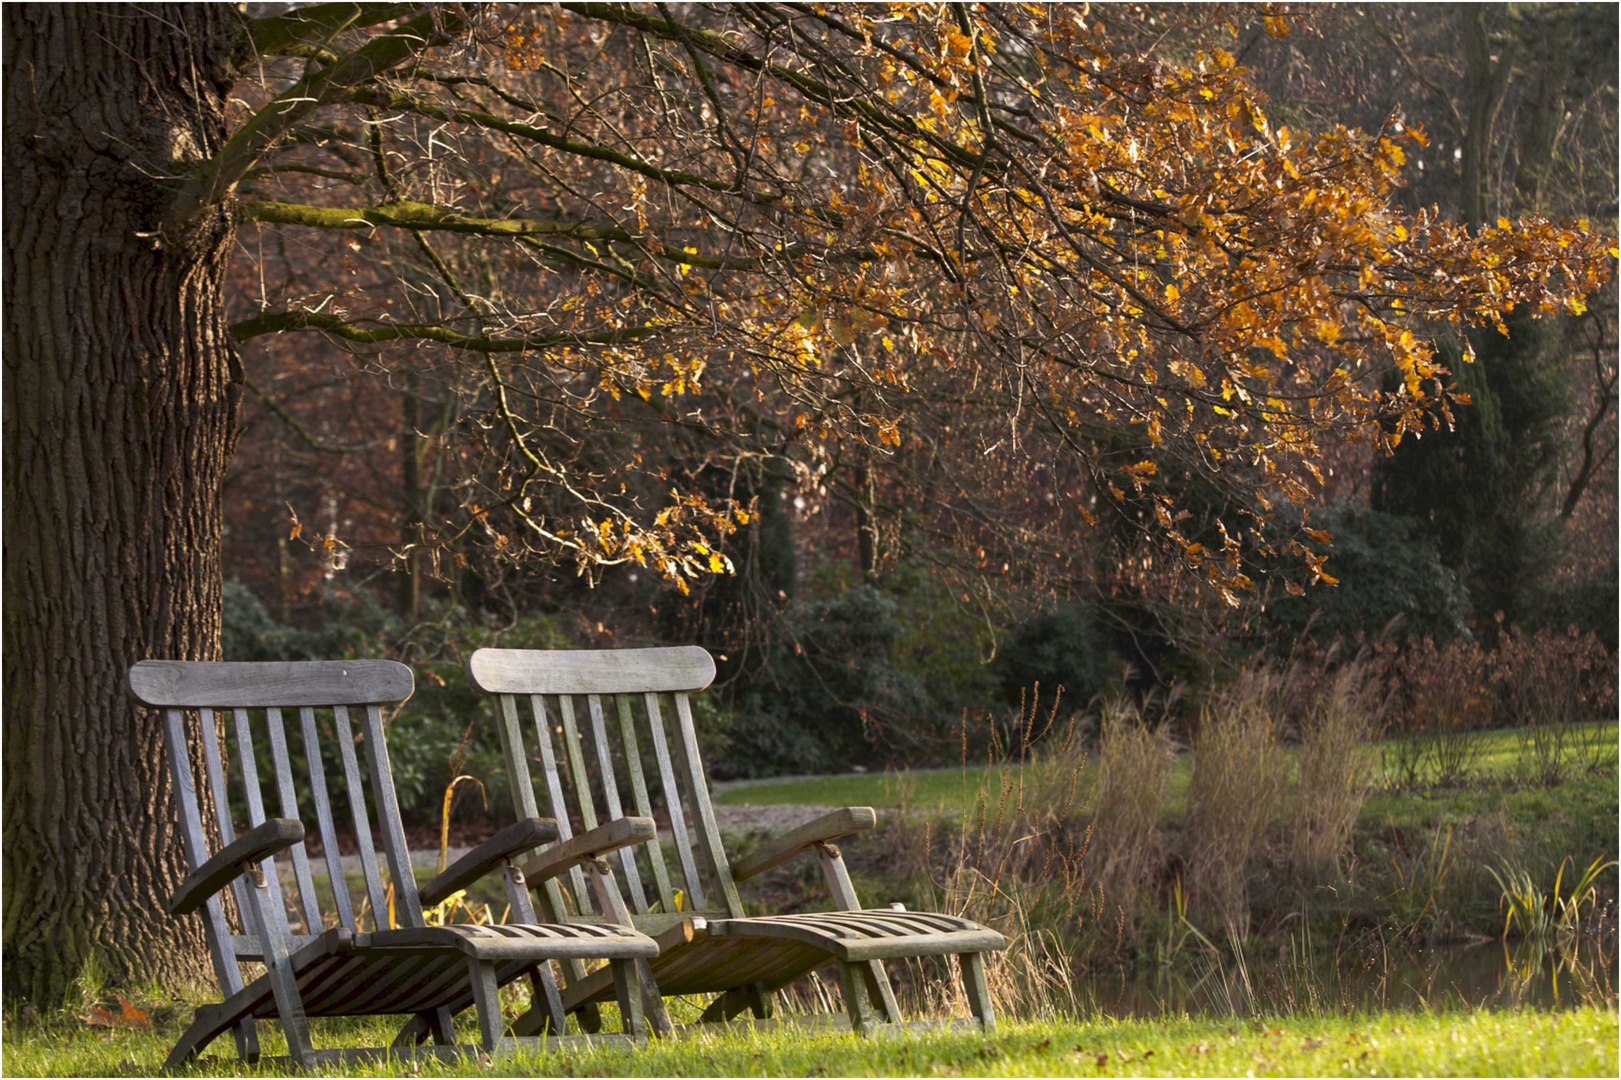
(708, 943)
(426, 973)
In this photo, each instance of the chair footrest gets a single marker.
(521, 941)
(881, 934)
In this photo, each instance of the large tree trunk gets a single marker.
(120, 399)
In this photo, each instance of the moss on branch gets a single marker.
(275, 322)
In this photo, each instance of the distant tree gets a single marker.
(1532, 90)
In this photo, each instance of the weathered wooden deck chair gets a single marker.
(708, 943)
(423, 972)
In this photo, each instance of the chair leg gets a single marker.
(279, 970)
(202, 1031)
(652, 1000)
(753, 998)
(879, 990)
(543, 990)
(979, 994)
(247, 1040)
(628, 992)
(761, 1001)
(487, 999)
(290, 1007)
(441, 1026)
(435, 1024)
(414, 1032)
(853, 980)
(727, 1005)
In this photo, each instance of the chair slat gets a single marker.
(308, 903)
(388, 814)
(672, 799)
(554, 791)
(213, 765)
(357, 807)
(720, 867)
(256, 817)
(523, 792)
(215, 929)
(576, 764)
(610, 796)
(517, 762)
(644, 805)
(323, 818)
(553, 903)
(575, 760)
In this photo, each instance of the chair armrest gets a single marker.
(523, 836)
(275, 835)
(839, 823)
(618, 833)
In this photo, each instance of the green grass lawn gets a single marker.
(1577, 1042)
(953, 790)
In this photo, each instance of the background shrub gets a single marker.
(1065, 649)
(1390, 575)
(830, 697)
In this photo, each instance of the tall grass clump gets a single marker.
(1135, 763)
(1016, 860)
(1548, 916)
(1237, 771)
(1336, 769)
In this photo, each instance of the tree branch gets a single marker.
(419, 216)
(276, 322)
(218, 177)
(276, 35)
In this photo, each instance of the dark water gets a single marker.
(1489, 975)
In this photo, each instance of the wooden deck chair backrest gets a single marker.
(238, 706)
(606, 733)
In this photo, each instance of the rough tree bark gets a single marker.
(120, 397)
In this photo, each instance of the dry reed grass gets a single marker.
(1237, 777)
(1135, 763)
(1016, 860)
(1336, 768)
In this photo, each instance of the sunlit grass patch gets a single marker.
(953, 790)
(1578, 1042)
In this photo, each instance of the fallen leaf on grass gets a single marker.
(127, 1017)
(1311, 1044)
